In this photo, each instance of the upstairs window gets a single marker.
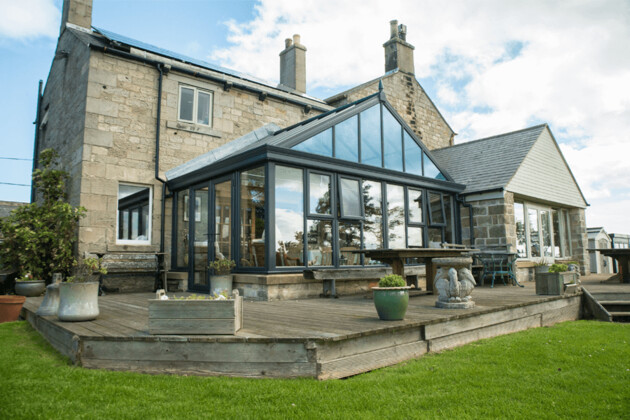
(195, 105)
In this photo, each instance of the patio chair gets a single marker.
(497, 263)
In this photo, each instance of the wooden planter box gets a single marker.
(554, 283)
(188, 317)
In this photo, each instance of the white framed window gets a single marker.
(541, 231)
(195, 105)
(133, 220)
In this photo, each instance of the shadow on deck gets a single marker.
(319, 338)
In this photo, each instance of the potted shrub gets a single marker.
(29, 286)
(221, 280)
(206, 314)
(554, 282)
(391, 298)
(38, 238)
(78, 295)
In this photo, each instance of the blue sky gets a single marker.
(490, 66)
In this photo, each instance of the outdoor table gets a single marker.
(622, 255)
(396, 258)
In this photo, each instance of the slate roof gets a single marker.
(490, 163)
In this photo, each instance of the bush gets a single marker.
(558, 268)
(39, 237)
(222, 267)
(392, 280)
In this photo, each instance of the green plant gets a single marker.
(542, 262)
(26, 277)
(39, 237)
(558, 268)
(216, 296)
(392, 280)
(222, 267)
(84, 270)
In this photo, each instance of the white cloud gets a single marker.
(29, 19)
(495, 66)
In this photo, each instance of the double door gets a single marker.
(211, 230)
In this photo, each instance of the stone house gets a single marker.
(132, 120)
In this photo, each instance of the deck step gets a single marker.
(619, 316)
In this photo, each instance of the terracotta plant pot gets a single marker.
(30, 288)
(78, 301)
(10, 307)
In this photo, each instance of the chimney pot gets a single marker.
(287, 42)
(296, 39)
(393, 29)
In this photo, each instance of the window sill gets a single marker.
(193, 128)
(130, 246)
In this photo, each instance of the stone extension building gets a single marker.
(123, 113)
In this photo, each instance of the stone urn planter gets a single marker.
(220, 283)
(78, 301)
(391, 302)
(196, 315)
(10, 307)
(30, 288)
(50, 304)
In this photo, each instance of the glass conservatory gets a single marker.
(309, 195)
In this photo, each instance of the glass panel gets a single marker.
(532, 216)
(252, 243)
(430, 170)
(319, 242)
(373, 224)
(435, 208)
(567, 233)
(448, 212)
(414, 203)
(519, 219)
(350, 203)
(435, 237)
(545, 227)
(223, 221)
(371, 136)
(289, 216)
(203, 108)
(320, 144)
(396, 216)
(182, 229)
(414, 237)
(134, 212)
(349, 240)
(392, 142)
(186, 101)
(413, 155)
(319, 193)
(557, 243)
(347, 139)
(200, 252)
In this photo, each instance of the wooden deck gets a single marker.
(320, 338)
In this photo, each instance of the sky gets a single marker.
(490, 66)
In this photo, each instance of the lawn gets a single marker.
(572, 370)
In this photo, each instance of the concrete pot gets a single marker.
(221, 283)
(391, 302)
(30, 288)
(78, 301)
(10, 307)
(50, 304)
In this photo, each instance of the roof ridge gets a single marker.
(496, 136)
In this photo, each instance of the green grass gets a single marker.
(572, 370)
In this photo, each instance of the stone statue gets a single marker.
(454, 288)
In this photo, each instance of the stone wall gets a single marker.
(579, 239)
(411, 102)
(493, 223)
(63, 109)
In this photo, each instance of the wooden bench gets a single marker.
(329, 276)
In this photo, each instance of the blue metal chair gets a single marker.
(498, 263)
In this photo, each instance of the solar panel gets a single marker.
(170, 54)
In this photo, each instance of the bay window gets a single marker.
(541, 231)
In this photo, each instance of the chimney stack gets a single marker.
(293, 65)
(398, 52)
(76, 12)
